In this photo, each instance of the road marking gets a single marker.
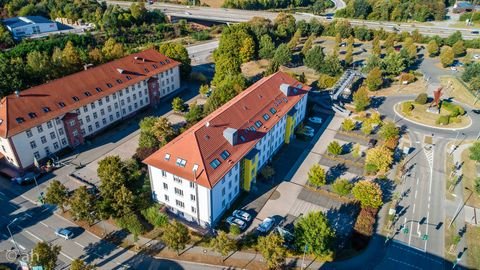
(413, 212)
(1, 193)
(28, 215)
(407, 264)
(66, 256)
(20, 246)
(79, 244)
(33, 235)
(41, 222)
(416, 193)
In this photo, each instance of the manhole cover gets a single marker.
(275, 195)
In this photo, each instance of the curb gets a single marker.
(425, 125)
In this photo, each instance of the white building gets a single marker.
(200, 173)
(45, 119)
(26, 26)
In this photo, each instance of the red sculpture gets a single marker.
(437, 94)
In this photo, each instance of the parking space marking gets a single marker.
(79, 244)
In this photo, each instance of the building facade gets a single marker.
(26, 26)
(200, 173)
(42, 120)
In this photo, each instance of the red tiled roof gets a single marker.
(203, 142)
(50, 94)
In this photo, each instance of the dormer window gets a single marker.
(32, 115)
(181, 162)
(119, 81)
(20, 120)
(266, 117)
(162, 63)
(75, 98)
(215, 163)
(61, 104)
(167, 157)
(258, 124)
(109, 85)
(242, 138)
(129, 78)
(166, 60)
(146, 69)
(98, 89)
(225, 154)
(46, 109)
(154, 66)
(273, 111)
(87, 94)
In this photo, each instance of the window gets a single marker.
(20, 120)
(266, 117)
(223, 191)
(80, 121)
(118, 115)
(64, 142)
(181, 162)
(33, 145)
(49, 124)
(61, 104)
(109, 108)
(165, 186)
(258, 124)
(87, 94)
(104, 121)
(167, 156)
(95, 115)
(52, 135)
(75, 133)
(242, 138)
(192, 184)
(100, 102)
(32, 115)
(36, 155)
(115, 105)
(107, 99)
(164, 173)
(92, 105)
(166, 198)
(111, 117)
(39, 129)
(273, 111)
(75, 98)
(29, 133)
(82, 131)
(192, 197)
(128, 99)
(215, 163)
(97, 125)
(177, 179)
(178, 191)
(179, 203)
(194, 210)
(119, 81)
(55, 145)
(47, 151)
(90, 129)
(46, 109)
(85, 109)
(102, 112)
(71, 123)
(223, 204)
(87, 118)
(98, 89)
(60, 131)
(129, 78)
(225, 154)
(154, 66)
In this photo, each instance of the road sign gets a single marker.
(425, 237)
(406, 230)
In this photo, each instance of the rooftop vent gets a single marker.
(207, 124)
(17, 93)
(121, 71)
(87, 66)
(139, 58)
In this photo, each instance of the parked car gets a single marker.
(309, 128)
(25, 179)
(476, 111)
(64, 233)
(453, 68)
(476, 56)
(372, 143)
(266, 225)
(329, 18)
(308, 133)
(242, 215)
(238, 222)
(314, 119)
(476, 32)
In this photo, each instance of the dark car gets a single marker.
(26, 179)
(476, 111)
(372, 143)
(475, 32)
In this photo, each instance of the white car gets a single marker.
(309, 128)
(187, 13)
(64, 233)
(316, 120)
(476, 56)
(238, 222)
(266, 225)
(308, 133)
(242, 215)
(453, 68)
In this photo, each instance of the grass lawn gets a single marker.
(469, 170)
(395, 89)
(459, 91)
(448, 170)
(473, 244)
(450, 234)
(419, 114)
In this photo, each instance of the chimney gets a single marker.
(87, 66)
(17, 94)
(230, 134)
(207, 124)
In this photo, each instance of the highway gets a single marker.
(236, 15)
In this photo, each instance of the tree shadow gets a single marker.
(102, 249)
(335, 172)
(376, 102)
(342, 219)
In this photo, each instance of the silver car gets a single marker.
(237, 222)
(64, 233)
(242, 215)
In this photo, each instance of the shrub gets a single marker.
(348, 124)
(326, 81)
(201, 35)
(476, 186)
(365, 221)
(407, 107)
(407, 77)
(371, 169)
(422, 98)
(356, 152)
(235, 230)
(367, 127)
(455, 110)
(335, 148)
(443, 120)
(154, 217)
(342, 187)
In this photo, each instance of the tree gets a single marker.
(79, 264)
(476, 186)
(130, 222)
(57, 194)
(223, 244)
(390, 41)
(335, 148)
(308, 44)
(338, 40)
(349, 55)
(283, 55)
(176, 236)
(164, 131)
(389, 131)
(422, 98)
(45, 254)
(472, 71)
(194, 114)
(82, 205)
(39, 64)
(123, 202)
(295, 39)
(367, 127)
(153, 216)
(332, 65)
(342, 187)
(315, 58)
(267, 172)
(247, 51)
(138, 11)
(393, 64)
(459, 48)
(356, 151)
(368, 193)
(348, 124)
(314, 232)
(272, 249)
(376, 49)
(178, 52)
(411, 48)
(361, 100)
(70, 57)
(112, 50)
(432, 48)
(95, 56)
(267, 47)
(373, 61)
(178, 105)
(475, 151)
(204, 89)
(379, 158)
(447, 56)
(374, 79)
(317, 176)
(112, 174)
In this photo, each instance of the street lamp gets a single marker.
(460, 206)
(10, 232)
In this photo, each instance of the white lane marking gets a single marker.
(28, 215)
(428, 216)
(1, 193)
(404, 263)
(22, 247)
(410, 235)
(79, 244)
(66, 256)
(41, 222)
(416, 191)
(33, 235)
(413, 212)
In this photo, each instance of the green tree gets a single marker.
(153, 216)
(368, 193)
(373, 61)
(475, 151)
(379, 157)
(459, 48)
(178, 52)
(390, 41)
(332, 65)
(147, 134)
(374, 79)
(349, 55)
(342, 187)
(82, 205)
(476, 185)
(70, 57)
(308, 44)
(376, 49)
(176, 236)
(79, 264)
(178, 105)
(295, 39)
(348, 124)
(314, 232)
(447, 56)
(204, 89)
(393, 64)
(39, 64)
(45, 254)
(267, 47)
(283, 55)
(361, 100)
(267, 172)
(367, 127)
(112, 50)
(389, 131)
(57, 194)
(138, 11)
(194, 114)
(272, 249)
(223, 244)
(284, 25)
(432, 48)
(422, 98)
(411, 48)
(335, 148)
(130, 222)
(95, 56)
(112, 174)
(315, 58)
(247, 51)
(123, 202)
(317, 176)
(338, 40)
(356, 151)
(164, 131)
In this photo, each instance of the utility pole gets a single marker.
(10, 232)
(460, 206)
